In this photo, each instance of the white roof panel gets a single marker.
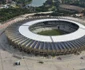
(27, 33)
(24, 30)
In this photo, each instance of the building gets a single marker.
(23, 35)
(7, 1)
(4, 6)
(71, 8)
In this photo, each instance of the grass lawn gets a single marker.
(51, 32)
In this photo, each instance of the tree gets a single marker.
(56, 4)
(2, 1)
(23, 2)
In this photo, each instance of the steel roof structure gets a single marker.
(21, 37)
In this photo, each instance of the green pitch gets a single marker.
(51, 32)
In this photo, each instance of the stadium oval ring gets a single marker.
(20, 36)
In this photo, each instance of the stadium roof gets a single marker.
(24, 30)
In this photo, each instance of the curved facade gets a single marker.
(23, 35)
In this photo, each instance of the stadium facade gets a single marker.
(23, 35)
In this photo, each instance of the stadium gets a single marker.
(47, 36)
